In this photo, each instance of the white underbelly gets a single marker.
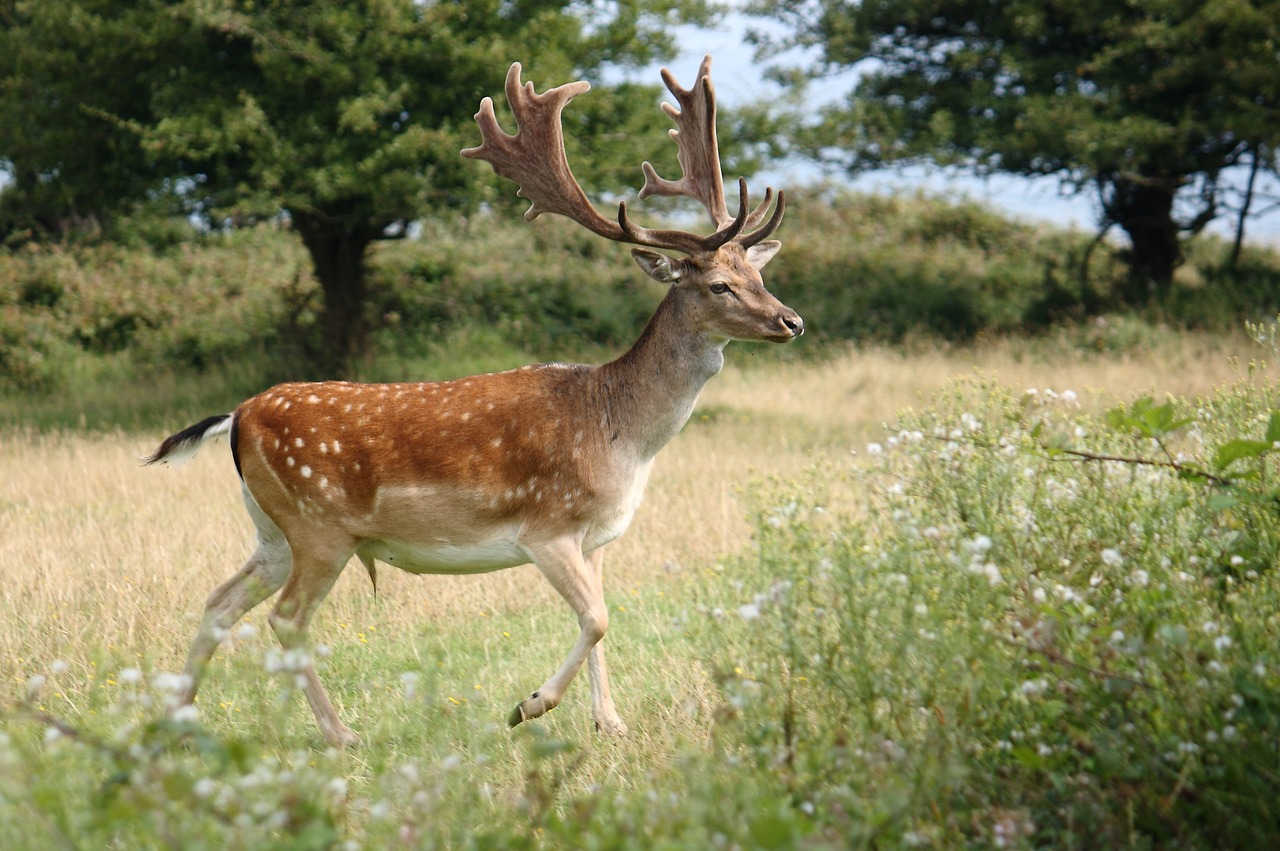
(477, 557)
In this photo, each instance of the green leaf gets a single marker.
(1239, 449)
(1223, 501)
(1273, 428)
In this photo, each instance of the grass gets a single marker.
(108, 565)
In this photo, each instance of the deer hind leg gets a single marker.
(563, 565)
(260, 577)
(312, 576)
(602, 708)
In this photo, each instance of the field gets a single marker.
(866, 603)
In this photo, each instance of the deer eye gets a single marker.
(720, 289)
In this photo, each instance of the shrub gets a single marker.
(1043, 629)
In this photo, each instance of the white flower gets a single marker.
(992, 572)
(1069, 396)
(1111, 557)
(186, 714)
(874, 449)
(130, 676)
(58, 667)
(204, 787)
(1222, 642)
(749, 611)
(980, 544)
(1141, 577)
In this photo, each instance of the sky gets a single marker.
(739, 81)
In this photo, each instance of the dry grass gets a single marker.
(107, 557)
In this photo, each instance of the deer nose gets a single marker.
(792, 322)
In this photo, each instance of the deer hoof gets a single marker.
(517, 715)
(343, 738)
(611, 727)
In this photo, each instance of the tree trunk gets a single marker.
(338, 256)
(1145, 210)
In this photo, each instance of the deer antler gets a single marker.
(534, 158)
(699, 158)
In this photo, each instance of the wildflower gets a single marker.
(185, 714)
(874, 449)
(749, 611)
(1034, 687)
(1111, 557)
(58, 667)
(1141, 577)
(204, 787)
(129, 676)
(980, 544)
(1222, 642)
(34, 683)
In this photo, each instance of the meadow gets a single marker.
(872, 599)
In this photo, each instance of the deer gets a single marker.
(544, 464)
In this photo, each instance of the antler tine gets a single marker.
(776, 219)
(699, 153)
(534, 158)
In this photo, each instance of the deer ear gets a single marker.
(762, 253)
(656, 266)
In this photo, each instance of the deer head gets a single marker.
(720, 273)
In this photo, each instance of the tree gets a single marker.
(344, 116)
(64, 165)
(1147, 103)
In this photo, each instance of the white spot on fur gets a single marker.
(306, 471)
(313, 399)
(290, 461)
(324, 448)
(496, 442)
(297, 441)
(337, 447)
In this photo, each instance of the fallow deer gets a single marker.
(543, 464)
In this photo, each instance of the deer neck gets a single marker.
(651, 390)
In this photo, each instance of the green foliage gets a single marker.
(345, 118)
(1144, 102)
(1015, 646)
(86, 331)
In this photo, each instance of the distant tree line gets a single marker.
(344, 118)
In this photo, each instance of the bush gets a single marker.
(1044, 629)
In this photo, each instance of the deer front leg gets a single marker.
(602, 708)
(562, 563)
